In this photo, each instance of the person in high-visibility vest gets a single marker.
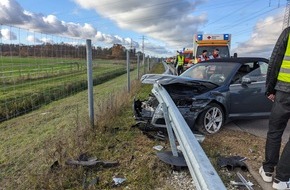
(278, 91)
(180, 62)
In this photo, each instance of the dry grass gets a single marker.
(60, 131)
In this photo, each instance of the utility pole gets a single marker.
(131, 45)
(286, 15)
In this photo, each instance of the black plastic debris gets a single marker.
(151, 132)
(145, 126)
(55, 166)
(168, 158)
(232, 162)
(83, 157)
(86, 161)
(157, 136)
(92, 162)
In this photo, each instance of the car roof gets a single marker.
(241, 60)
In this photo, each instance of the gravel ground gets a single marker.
(227, 143)
(179, 180)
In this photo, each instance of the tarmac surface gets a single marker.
(258, 128)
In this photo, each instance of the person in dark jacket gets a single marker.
(278, 91)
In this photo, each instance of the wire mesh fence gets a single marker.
(37, 68)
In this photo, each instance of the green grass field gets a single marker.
(18, 69)
(28, 83)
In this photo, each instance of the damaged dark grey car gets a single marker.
(210, 94)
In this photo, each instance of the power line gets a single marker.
(278, 19)
(253, 16)
(229, 14)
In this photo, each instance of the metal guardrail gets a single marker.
(169, 69)
(201, 170)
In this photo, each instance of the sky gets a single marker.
(163, 26)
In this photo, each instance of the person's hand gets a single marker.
(271, 97)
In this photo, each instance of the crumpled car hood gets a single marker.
(166, 79)
(181, 89)
(161, 79)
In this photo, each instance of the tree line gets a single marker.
(63, 50)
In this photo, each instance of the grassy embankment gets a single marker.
(31, 143)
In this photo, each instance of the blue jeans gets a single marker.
(278, 120)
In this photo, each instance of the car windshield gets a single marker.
(223, 50)
(216, 72)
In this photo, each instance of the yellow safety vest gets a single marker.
(180, 60)
(284, 73)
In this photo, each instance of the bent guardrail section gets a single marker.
(169, 69)
(201, 170)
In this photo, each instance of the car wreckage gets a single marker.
(210, 94)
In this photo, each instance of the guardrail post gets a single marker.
(169, 130)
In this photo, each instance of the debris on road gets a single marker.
(232, 162)
(158, 147)
(118, 180)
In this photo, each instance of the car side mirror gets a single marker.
(246, 80)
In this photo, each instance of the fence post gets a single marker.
(90, 81)
(128, 69)
(148, 61)
(144, 68)
(138, 65)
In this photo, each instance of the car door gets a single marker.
(247, 96)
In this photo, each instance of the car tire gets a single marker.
(211, 120)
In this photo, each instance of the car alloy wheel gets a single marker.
(211, 120)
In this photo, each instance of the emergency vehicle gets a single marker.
(188, 54)
(210, 42)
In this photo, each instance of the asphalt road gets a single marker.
(256, 127)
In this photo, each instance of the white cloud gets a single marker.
(165, 20)
(115, 39)
(263, 38)
(33, 40)
(47, 40)
(7, 34)
(11, 13)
